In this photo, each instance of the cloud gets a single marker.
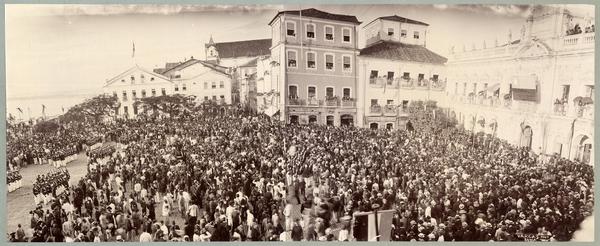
(89, 10)
(503, 10)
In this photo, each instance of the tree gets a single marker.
(93, 109)
(171, 105)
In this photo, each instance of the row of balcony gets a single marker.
(407, 83)
(560, 109)
(387, 109)
(327, 102)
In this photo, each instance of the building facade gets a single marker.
(313, 59)
(206, 81)
(536, 91)
(240, 57)
(395, 69)
(136, 83)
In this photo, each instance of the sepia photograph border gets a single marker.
(3, 166)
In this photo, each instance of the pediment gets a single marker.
(137, 75)
(533, 48)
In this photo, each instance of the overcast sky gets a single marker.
(74, 49)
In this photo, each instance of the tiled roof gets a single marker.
(315, 13)
(401, 19)
(258, 47)
(251, 63)
(190, 62)
(178, 65)
(403, 52)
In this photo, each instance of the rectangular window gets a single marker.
(403, 33)
(310, 60)
(390, 32)
(435, 77)
(329, 92)
(329, 62)
(143, 93)
(205, 85)
(312, 91)
(221, 84)
(124, 96)
(390, 77)
(589, 91)
(464, 89)
(291, 58)
(347, 65)
(329, 33)
(293, 91)
(390, 102)
(176, 88)
(416, 35)
(406, 75)
(153, 92)
(374, 74)
(214, 85)
(565, 92)
(184, 88)
(141, 79)
(310, 31)
(346, 35)
(291, 29)
(421, 77)
(206, 98)
(346, 92)
(135, 109)
(373, 102)
(214, 98)
(133, 94)
(163, 91)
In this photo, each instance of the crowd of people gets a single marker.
(46, 185)
(13, 181)
(26, 145)
(227, 175)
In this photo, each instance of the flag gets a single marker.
(133, 53)
(63, 109)
(364, 226)
(20, 110)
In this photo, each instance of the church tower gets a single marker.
(212, 55)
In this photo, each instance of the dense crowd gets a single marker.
(233, 176)
(26, 146)
(46, 185)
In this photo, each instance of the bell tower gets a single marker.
(211, 52)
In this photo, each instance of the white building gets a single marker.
(136, 83)
(536, 91)
(395, 69)
(205, 81)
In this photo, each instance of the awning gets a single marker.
(524, 95)
(271, 110)
(525, 82)
(583, 100)
(494, 88)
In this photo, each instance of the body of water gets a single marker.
(32, 106)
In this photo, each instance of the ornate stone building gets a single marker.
(536, 91)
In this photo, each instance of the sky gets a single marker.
(73, 49)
